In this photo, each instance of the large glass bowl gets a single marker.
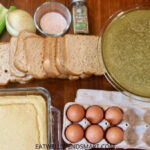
(108, 76)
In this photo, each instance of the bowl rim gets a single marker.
(59, 33)
(107, 75)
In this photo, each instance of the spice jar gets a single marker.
(80, 16)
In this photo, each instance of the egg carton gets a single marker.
(106, 99)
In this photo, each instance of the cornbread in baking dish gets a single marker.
(23, 122)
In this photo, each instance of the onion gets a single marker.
(19, 20)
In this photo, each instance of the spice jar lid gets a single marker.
(74, 1)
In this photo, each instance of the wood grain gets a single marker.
(63, 91)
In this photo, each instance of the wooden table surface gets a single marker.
(63, 91)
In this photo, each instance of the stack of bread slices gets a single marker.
(30, 56)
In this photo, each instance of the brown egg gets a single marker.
(147, 117)
(114, 135)
(94, 134)
(130, 136)
(74, 133)
(75, 113)
(146, 137)
(114, 115)
(95, 114)
(131, 117)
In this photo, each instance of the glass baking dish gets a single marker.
(107, 75)
(53, 114)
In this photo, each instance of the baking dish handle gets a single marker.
(56, 138)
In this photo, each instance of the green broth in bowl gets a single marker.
(126, 51)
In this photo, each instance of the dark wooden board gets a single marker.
(63, 91)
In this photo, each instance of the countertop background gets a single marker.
(63, 91)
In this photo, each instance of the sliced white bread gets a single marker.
(102, 69)
(60, 58)
(4, 64)
(50, 57)
(14, 71)
(5, 74)
(23, 80)
(34, 48)
(81, 55)
(20, 55)
(60, 48)
(16, 75)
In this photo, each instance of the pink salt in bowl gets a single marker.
(52, 19)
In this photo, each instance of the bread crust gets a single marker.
(60, 48)
(14, 71)
(20, 55)
(50, 57)
(60, 55)
(34, 64)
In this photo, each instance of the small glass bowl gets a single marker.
(107, 75)
(52, 6)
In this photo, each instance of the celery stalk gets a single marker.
(12, 8)
(3, 12)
